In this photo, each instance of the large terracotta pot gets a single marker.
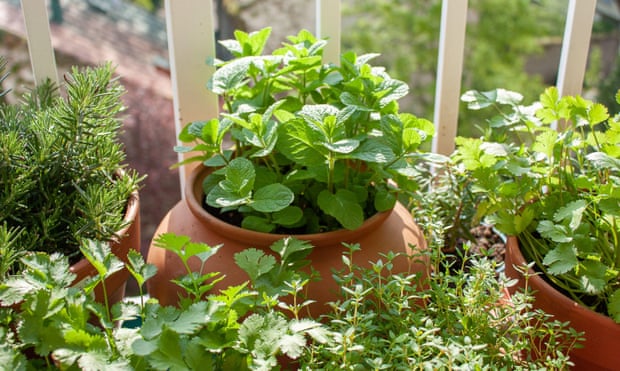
(601, 349)
(128, 239)
(384, 232)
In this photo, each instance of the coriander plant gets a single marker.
(558, 191)
(316, 145)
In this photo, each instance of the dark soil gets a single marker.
(486, 242)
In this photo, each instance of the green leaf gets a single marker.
(258, 223)
(613, 305)
(254, 262)
(240, 175)
(572, 212)
(99, 255)
(288, 216)
(384, 200)
(593, 276)
(292, 251)
(191, 319)
(272, 198)
(343, 206)
(561, 259)
(343, 146)
(602, 160)
(169, 353)
(373, 151)
(292, 345)
(555, 232)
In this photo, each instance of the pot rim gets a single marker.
(539, 284)
(193, 198)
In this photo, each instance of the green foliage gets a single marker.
(58, 326)
(458, 319)
(557, 191)
(315, 143)
(61, 165)
(454, 319)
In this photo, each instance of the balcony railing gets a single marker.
(191, 40)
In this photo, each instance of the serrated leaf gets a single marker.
(191, 319)
(254, 262)
(292, 251)
(343, 146)
(555, 232)
(572, 212)
(292, 345)
(373, 151)
(240, 175)
(602, 160)
(272, 198)
(343, 206)
(593, 276)
(613, 305)
(561, 259)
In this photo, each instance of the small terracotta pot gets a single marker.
(388, 231)
(128, 239)
(601, 350)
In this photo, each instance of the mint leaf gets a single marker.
(343, 206)
(288, 216)
(271, 198)
(240, 177)
(257, 223)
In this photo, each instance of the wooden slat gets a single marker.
(191, 41)
(328, 25)
(39, 40)
(449, 72)
(575, 46)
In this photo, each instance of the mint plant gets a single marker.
(558, 191)
(316, 145)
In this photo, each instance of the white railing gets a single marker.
(191, 41)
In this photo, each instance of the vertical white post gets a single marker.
(575, 46)
(328, 25)
(449, 72)
(191, 41)
(39, 41)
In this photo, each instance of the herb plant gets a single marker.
(315, 144)
(53, 325)
(458, 319)
(558, 191)
(61, 166)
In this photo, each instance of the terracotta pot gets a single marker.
(128, 239)
(384, 232)
(601, 349)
